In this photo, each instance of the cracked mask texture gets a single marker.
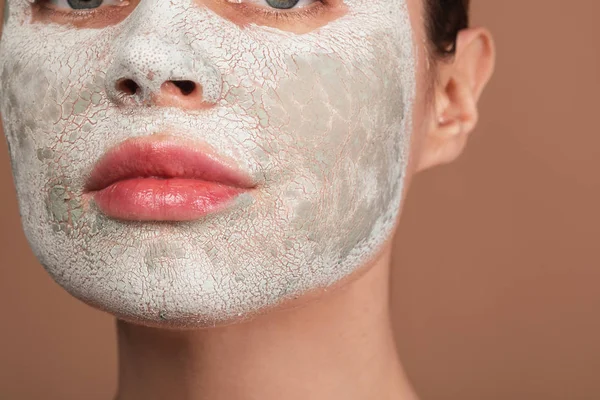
(321, 119)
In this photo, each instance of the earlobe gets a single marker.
(460, 84)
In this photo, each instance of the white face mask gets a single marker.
(320, 120)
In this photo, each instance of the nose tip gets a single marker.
(184, 94)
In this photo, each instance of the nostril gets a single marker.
(181, 93)
(128, 86)
(186, 87)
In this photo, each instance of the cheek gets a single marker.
(52, 97)
(342, 118)
(340, 130)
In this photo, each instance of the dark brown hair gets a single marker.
(445, 19)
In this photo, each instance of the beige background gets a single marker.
(497, 273)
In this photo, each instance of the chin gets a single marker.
(205, 315)
(226, 268)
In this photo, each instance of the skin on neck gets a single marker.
(339, 346)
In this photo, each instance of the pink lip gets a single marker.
(163, 178)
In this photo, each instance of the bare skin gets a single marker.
(333, 344)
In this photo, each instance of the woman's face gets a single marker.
(311, 105)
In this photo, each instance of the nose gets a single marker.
(147, 70)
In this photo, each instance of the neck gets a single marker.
(337, 347)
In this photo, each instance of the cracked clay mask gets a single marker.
(318, 119)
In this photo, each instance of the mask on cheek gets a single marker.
(178, 169)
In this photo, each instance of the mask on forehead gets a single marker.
(313, 126)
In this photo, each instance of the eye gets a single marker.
(280, 4)
(81, 13)
(297, 16)
(83, 4)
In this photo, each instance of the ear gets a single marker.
(460, 84)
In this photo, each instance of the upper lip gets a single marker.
(164, 156)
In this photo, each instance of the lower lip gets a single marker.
(155, 199)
